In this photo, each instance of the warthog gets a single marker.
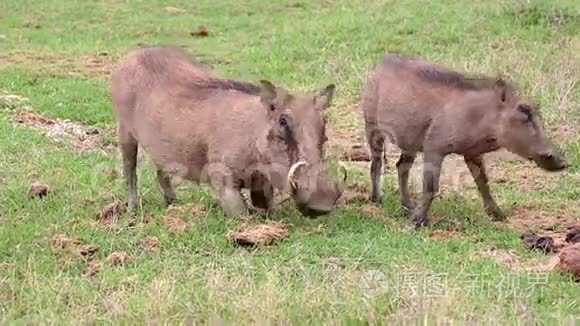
(233, 135)
(423, 107)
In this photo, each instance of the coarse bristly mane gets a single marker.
(228, 84)
(440, 75)
(455, 79)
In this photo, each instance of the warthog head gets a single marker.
(296, 139)
(521, 130)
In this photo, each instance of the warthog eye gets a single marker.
(527, 110)
(284, 121)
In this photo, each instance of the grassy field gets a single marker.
(362, 264)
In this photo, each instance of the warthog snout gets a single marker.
(550, 161)
(315, 193)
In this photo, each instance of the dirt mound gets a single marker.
(118, 258)
(558, 225)
(62, 241)
(110, 213)
(150, 243)
(93, 268)
(38, 189)
(357, 153)
(570, 260)
(174, 224)
(444, 234)
(262, 234)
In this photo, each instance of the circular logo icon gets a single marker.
(373, 284)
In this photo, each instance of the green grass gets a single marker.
(314, 275)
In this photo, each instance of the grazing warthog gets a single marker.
(230, 134)
(423, 107)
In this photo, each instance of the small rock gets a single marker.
(201, 31)
(38, 190)
(535, 242)
(570, 260)
(118, 258)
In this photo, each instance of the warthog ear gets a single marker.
(268, 94)
(324, 96)
(501, 86)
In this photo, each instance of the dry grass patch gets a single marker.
(518, 264)
(81, 137)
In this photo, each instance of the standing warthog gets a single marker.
(230, 134)
(423, 107)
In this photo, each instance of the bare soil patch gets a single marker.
(192, 209)
(444, 234)
(526, 219)
(97, 65)
(62, 241)
(515, 263)
(261, 234)
(81, 137)
(354, 192)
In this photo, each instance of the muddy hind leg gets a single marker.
(376, 143)
(431, 173)
(164, 181)
(404, 165)
(129, 148)
(477, 169)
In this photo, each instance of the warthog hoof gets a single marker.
(420, 220)
(495, 213)
(375, 198)
(408, 207)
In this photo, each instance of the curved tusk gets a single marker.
(292, 171)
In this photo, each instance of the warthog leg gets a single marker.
(165, 184)
(376, 143)
(129, 150)
(431, 173)
(477, 169)
(232, 202)
(228, 191)
(404, 164)
(261, 192)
